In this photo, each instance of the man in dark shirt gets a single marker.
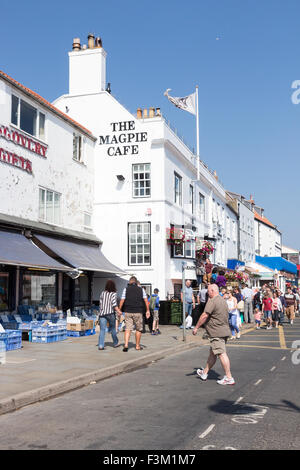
(134, 300)
(215, 321)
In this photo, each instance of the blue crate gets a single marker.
(75, 333)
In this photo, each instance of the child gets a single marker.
(257, 317)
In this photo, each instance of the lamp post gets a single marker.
(183, 299)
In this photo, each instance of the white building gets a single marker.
(145, 182)
(267, 235)
(245, 215)
(46, 202)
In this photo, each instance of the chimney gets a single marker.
(145, 113)
(76, 44)
(215, 175)
(158, 113)
(91, 41)
(87, 67)
(139, 114)
(98, 42)
(151, 112)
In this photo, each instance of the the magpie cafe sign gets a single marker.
(123, 140)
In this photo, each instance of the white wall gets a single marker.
(19, 190)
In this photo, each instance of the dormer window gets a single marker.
(27, 118)
(77, 147)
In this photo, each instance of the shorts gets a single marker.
(268, 314)
(134, 319)
(290, 312)
(155, 315)
(218, 345)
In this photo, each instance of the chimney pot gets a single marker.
(151, 112)
(145, 113)
(158, 112)
(76, 44)
(98, 42)
(91, 41)
(139, 113)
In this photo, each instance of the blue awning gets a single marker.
(17, 250)
(234, 263)
(276, 262)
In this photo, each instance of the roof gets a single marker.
(264, 220)
(47, 104)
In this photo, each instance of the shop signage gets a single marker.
(15, 160)
(123, 140)
(23, 140)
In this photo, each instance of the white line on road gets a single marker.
(238, 400)
(208, 430)
(258, 382)
(273, 368)
(283, 359)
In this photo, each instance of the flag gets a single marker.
(187, 103)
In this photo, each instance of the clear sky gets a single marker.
(243, 54)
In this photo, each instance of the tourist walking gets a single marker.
(283, 303)
(257, 317)
(267, 309)
(108, 307)
(276, 309)
(189, 299)
(202, 298)
(208, 269)
(291, 305)
(233, 314)
(215, 321)
(133, 301)
(221, 279)
(154, 311)
(247, 294)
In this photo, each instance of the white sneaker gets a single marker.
(292, 321)
(238, 335)
(226, 381)
(201, 374)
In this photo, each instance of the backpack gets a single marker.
(152, 303)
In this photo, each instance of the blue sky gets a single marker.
(243, 54)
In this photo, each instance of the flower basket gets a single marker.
(206, 250)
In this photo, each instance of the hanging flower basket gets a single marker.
(206, 250)
(175, 236)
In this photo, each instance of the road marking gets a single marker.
(251, 416)
(258, 382)
(22, 361)
(238, 400)
(273, 368)
(208, 430)
(284, 358)
(252, 346)
(281, 337)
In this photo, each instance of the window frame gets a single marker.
(141, 180)
(202, 215)
(143, 243)
(17, 124)
(177, 176)
(44, 219)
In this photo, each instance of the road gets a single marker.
(165, 406)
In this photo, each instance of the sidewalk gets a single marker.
(40, 371)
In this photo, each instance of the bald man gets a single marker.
(215, 320)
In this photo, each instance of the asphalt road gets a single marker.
(165, 406)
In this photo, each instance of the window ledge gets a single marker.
(79, 163)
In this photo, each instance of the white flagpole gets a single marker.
(197, 132)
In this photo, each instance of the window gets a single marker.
(39, 288)
(141, 179)
(201, 207)
(192, 198)
(87, 220)
(27, 118)
(189, 249)
(147, 288)
(49, 206)
(77, 147)
(228, 227)
(177, 189)
(81, 290)
(139, 243)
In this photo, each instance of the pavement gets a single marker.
(41, 371)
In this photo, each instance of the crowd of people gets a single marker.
(245, 304)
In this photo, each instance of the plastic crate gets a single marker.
(75, 333)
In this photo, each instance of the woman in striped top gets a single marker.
(108, 307)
